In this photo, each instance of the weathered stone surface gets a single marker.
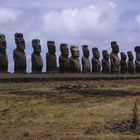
(105, 62)
(130, 63)
(51, 62)
(37, 62)
(3, 54)
(19, 56)
(74, 59)
(137, 61)
(114, 58)
(96, 65)
(85, 59)
(64, 60)
(123, 63)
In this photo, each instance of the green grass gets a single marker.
(44, 110)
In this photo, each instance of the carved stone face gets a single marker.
(137, 50)
(123, 56)
(51, 47)
(64, 50)
(105, 54)
(96, 53)
(85, 51)
(3, 45)
(36, 45)
(19, 40)
(74, 51)
(130, 56)
(115, 47)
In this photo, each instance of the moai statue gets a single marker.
(19, 54)
(114, 58)
(74, 60)
(51, 62)
(64, 60)
(37, 62)
(123, 63)
(96, 65)
(137, 61)
(3, 54)
(85, 59)
(105, 62)
(130, 63)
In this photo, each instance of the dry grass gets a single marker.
(66, 110)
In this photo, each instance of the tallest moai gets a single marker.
(114, 58)
(19, 54)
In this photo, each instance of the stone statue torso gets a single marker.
(51, 62)
(123, 65)
(75, 64)
(96, 65)
(20, 61)
(37, 63)
(64, 64)
(3, 62)
(137, 64)
(105, 66)
(115, 63)
(131, 67)
(86, 64)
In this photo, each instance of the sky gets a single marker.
(75, 22)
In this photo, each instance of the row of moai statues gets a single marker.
(111, 63)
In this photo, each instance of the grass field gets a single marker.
(79, 110)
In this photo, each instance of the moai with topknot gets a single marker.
(105, 62)
(51, 61)
(114, 58)
(85, 59)
(3, 54)
(96, 65)
(123, 63)
(130, 63)
(137, 61)
(64, 60)
(74, 59)
(19, 55)
(37, 62)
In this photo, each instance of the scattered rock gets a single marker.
(26, 134)
(122, 126)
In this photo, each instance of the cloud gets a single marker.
(8, 15)
(88, 22)
(137, 18)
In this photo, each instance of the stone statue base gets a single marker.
(44, 77)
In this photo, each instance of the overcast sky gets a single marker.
(91, 22)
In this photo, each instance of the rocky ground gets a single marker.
(66, 110)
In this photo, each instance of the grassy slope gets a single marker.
(66, 110)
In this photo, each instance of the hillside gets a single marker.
(66, 110)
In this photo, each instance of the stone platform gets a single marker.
(62, 77)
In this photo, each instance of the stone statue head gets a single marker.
(130, 56)
(20, 42)
(64, 50)
(105, 54)
(74, 51)
(3, 45)
(115, 47)
(51, 47)
(137, 50)
(123, 56)
(36, 46)
(96, 53)
(85, 50)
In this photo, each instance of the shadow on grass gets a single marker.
(74, 95)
